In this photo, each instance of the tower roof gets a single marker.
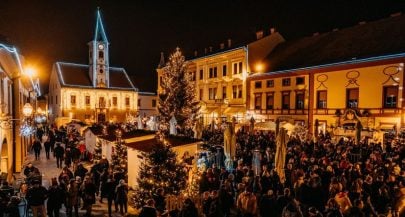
(99, 33)
(162, 61)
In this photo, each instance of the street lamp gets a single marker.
(27, 110)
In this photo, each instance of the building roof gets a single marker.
(77, 75)
(148, 144)
(377, 38)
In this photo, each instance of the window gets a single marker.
(139, 102)
(235, 68)
(201, 94)
(299, 80)
(194, 76)
(101, 102)
(101, 55)
(73, 100)
(56, 99)
(286, 82)
(201, 74)
(224, 70)
(321, 96)
(213, 72)
(390, 97)
(224, 92)
(258, 84)
(237, 91)
(115, 101)
(153, 103)
(352, 98)
(127, 101)
(212, 92)
(270, 83)
(161, 81)
(240, 67)
(285, 100)
(270, 101)
(87, 100)
(299, 100)
(258, 101)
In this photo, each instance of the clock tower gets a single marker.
(98, 56)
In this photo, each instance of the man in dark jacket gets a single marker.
(36, 146)
(59, 151)
(47, 146)
(149, 209)
(36, 197)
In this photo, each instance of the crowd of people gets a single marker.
(322, 178)
(76, 187)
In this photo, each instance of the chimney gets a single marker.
(335, 30)
(272, 30)
(205, 50)
(229, 43)
(315, 34)
(222, 46)
(362, 22)
(210, 49)
(259, 34)
(396, 14)
(195, 53)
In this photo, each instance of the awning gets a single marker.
(235, 110)
(268, 125)
(210, 110)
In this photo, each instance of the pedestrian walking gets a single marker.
(88, 190)
(59, 152)
(36, 197)
(55, 198)
(72, 196)
(110, 186)
(36, 146)
(188, 209)
(47, 146)
(122, 196)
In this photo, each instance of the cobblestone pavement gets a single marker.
(49, 170)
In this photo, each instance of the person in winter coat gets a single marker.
(88, 190)
(110, 193)
(122, 196)
(55, 198)
(36, 197)
(268, 204)
(36, 146)
(247, 203)
(149, 209)
(188, 209)
(12, 207)
(80, 171)
(59, 151)
(72, 196)
(47, 146)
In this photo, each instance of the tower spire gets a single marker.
(162, 61)
(99, 33)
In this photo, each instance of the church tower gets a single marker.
(98, 56)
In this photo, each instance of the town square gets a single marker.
(223, 108)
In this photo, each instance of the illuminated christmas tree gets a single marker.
(178, 97)
(97, 151)
(159, 170)
(119, 158)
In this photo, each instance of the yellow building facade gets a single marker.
(335, 81)
(220, 77)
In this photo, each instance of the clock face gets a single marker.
(100, 46)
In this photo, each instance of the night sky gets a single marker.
(46, 31)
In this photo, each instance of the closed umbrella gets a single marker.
(281, 152)
(229, 145)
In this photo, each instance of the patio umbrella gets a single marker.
(229, 145)
(281, 152)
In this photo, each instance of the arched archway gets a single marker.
(4, 156)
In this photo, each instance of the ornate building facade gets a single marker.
(16, 89)
(220, 76)
(94, 92)
(335, 80)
